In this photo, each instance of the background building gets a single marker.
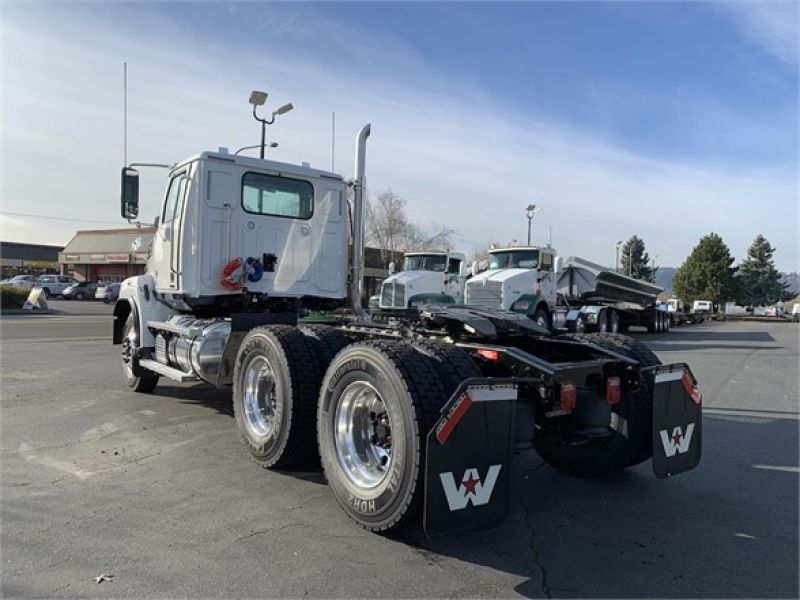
(17, 258)
(106, 254)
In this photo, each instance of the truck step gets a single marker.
(166, 371)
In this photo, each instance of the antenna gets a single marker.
(333, 142)
(125, 113)
(550, 243)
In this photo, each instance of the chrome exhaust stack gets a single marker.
(359, 224)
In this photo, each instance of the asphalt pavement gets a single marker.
(157, 491)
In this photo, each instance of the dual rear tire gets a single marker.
(367, 407)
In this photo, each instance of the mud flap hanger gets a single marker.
(677, 419)
(469, 450)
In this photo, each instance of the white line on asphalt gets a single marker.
(95, 433)
(733, 413)
(778, 468)
(28, 453)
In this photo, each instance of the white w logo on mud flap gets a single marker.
(678, 441)
(471, 488)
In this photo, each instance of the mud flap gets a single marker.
(677, 420)
(467, 473)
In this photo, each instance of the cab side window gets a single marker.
(454, 266)
(174, 195)
(546, 262)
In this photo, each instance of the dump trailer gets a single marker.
(413, 418)
(571, 294)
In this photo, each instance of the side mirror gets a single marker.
(474, 268)
(557, 266)
(130, 193)
(392, 268)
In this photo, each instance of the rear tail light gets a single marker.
(488, 354)
(568, 396)
(613, 390)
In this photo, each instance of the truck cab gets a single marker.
(232, 224)
(426, 278)
(522, 279)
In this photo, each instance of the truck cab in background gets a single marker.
(522, 279)
(426, 278)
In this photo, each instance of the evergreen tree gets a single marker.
(634, 261)
(707, 274)
(759, 280)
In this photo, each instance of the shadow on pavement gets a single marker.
(712, 532)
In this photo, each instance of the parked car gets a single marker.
(22, 281)
(83, 290)
(54, 285)
(796, 312)
(107, 292)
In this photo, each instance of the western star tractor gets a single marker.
(414, 416)
(426, 278)
(569, 294)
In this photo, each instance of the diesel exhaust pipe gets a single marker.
(359, 224)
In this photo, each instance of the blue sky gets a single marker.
(616, 118)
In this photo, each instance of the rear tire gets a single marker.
(379, 399)
(613, 321)
(146, 382)
(604, 456)
(276, 381)
(79, 296)
(602, 321)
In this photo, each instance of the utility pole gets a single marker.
(616, 267)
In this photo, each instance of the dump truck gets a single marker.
(567, 294)
(426, 278)
(412, 419)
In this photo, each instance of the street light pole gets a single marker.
(616, 267)
(258, 99)
(530, 211)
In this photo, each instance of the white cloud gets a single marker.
(446, 147)
(771, 25)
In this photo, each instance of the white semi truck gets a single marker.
(426, 278)
(408, 416)
(565, 294)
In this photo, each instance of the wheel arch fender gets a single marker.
(122, 309)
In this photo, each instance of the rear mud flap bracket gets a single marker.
(469, 450)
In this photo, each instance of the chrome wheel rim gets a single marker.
(129, 345)
(260, 398)
(363, 435)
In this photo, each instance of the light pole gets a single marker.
(530, 211)
(258, 99)
(653, 268)
(619, 243)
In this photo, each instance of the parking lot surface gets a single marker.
(158, 491)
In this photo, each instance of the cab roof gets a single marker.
(257, 163)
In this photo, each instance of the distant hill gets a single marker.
(664, 277)
(793, 279)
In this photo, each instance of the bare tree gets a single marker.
(389, 229)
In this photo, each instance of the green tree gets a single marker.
(634, 260)
(707, 274)
(759, 280)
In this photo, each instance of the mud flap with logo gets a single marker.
(677, 420)
(469, 451)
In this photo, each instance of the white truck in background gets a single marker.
(572, 293)
(426, 278)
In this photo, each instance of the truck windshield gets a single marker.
(516, 259)
(425, 262)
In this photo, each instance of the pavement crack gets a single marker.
(537, 559)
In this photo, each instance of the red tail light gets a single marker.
(613, 390)
(488, 354)
(568, 396)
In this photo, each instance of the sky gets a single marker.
(668, 120)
